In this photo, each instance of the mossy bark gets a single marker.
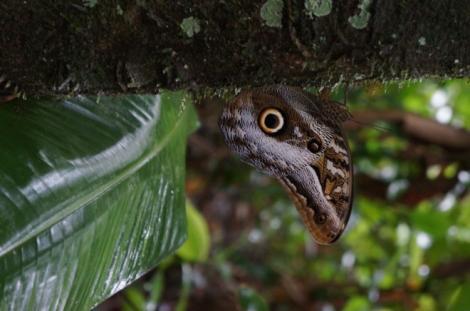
(53, 47)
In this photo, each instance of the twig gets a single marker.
(426, 130)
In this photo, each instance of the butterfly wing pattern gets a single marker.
(296, 137)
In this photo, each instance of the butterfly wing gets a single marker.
(318, 178)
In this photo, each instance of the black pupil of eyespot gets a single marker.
(271, 121)
(320, 218)
(314, 145)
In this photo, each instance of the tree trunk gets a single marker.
(53, 47)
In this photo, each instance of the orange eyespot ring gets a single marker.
(271, 120)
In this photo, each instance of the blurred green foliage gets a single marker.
(251, 300)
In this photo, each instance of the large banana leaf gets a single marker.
(91, 196)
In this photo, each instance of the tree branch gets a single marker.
(416, 127)
(452, 269)
(55, 47)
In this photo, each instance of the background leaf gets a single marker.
(91, 196)
(460, 299)
(196, 248)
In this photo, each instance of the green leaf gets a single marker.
(430, 221)
(357, 303)
(251, 300)
(460, 299)
(451, 170)
(196, 248)
(91, 196)
(186, 276)
(134, 299)
(157, 287)
(426, 303)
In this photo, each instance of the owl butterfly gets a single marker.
(296, 137)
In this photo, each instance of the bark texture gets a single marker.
(53, 47)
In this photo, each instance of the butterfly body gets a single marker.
(296, 137)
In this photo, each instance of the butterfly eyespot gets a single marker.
(320, 218)
(271, 120)
(314, 145)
